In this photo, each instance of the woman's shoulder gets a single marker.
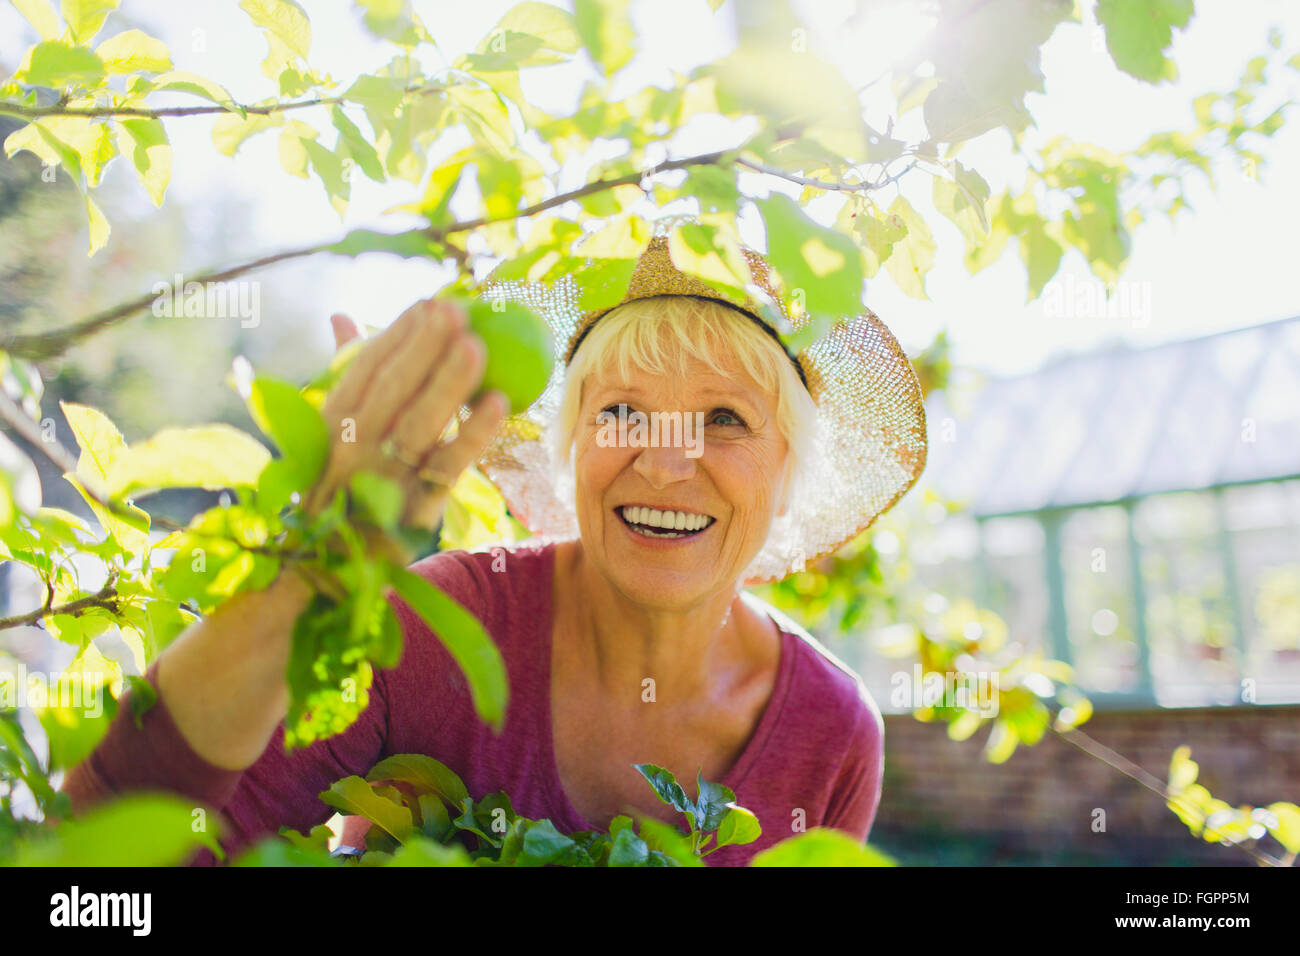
(824, 691)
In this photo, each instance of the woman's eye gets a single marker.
(619, 410)
(724, 414)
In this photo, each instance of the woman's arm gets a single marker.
(221, 684)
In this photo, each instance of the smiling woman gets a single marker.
(625, 628)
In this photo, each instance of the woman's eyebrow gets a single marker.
(737, 394)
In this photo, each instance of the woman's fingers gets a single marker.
(345, 330)
(451, 385)
(447, 461)
(431, 346)
(370, 367)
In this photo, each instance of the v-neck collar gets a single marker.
(550, 767)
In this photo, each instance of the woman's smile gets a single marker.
(668, 527)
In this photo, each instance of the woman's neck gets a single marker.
(687, 652)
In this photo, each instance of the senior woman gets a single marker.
(625, 627)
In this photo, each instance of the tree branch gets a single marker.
(105, 597)
(38, 112)
(44, 345)
(833, 185)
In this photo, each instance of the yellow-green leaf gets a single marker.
(40, 14)
(354, 797)
(205, 456)
(821, 846)
(134, 51)
(57, 64)
(912, 256)
(85, 17)
(293, 157)
(606, 28)
(288, 32)
(150, 153)
(1287, 831)
(183, 81)
(230, 129)
(135, 830)
(99, 227)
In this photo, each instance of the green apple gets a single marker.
(520, 351)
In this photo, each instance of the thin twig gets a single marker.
(105, 597)
(38, 112)
(834, 185)
(1131, 770)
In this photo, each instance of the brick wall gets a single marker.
(943, 803)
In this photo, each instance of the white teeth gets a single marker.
(668, 520)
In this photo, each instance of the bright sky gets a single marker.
(1229, 263)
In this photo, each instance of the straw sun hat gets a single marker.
(872, 445)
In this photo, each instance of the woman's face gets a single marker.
(729, 475)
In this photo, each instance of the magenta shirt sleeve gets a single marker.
(856, 796)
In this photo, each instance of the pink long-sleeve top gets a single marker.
(815, 758)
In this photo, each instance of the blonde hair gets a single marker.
(656, 335)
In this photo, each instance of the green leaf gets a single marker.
(712, 804)
(134, 51)
(394, 20)
(977, 89)
(671, 845)
(667, 788)
(464, 637)
(1041, 254)
(135, 830)
(99, 227)
(962, 200)
(57, 64)
(75, 729)
(819, 265)
(150, 152)
(821, 846)
(287, 29)
(738, 827)
(295, 426)
(409, 245)
(913, 256)
(628, 850)
(85, 17)
(1182, 770)
(422, 772)
(606, 29)
(40, 14)
(543, 844)
(381, 498)
(329, 166)
(1287, 829)
(529, 34)
(357, 146)
(229, 130)
(183, 81)
(352, 796)
(1139, 31)
(204, 456)
(101, 444)
(421, 852)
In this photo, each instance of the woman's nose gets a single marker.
(665, 464)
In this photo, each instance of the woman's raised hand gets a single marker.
(396, 398)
